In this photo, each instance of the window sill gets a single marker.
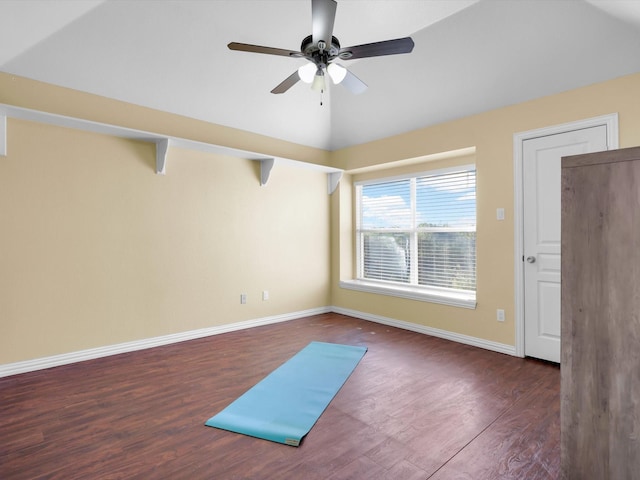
(454, 299)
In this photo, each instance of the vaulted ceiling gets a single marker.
(470, 56)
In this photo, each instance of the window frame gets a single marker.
(413, 291)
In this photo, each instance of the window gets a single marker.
(418, 234)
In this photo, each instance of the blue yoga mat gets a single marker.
(287, 403)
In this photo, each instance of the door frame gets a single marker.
(611, 122)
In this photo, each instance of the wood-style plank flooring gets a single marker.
(416, 407)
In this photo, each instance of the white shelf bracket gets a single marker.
(3, 135)
(265, 170)
(162, 147)
(333, 179)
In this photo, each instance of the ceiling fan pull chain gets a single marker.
(321, 92)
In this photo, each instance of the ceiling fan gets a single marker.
(322, 49)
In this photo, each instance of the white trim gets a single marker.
(90, 354)
(433, 295)
(611, 122)
(3, 135)
(434, 332)
(82, 355)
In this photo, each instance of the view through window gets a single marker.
(419, 230)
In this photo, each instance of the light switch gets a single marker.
(500, 213)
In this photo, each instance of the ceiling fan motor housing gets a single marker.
(319, 53)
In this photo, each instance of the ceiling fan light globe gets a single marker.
(307, 72)
(336, 72)
(318, 84)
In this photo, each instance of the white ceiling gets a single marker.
(470, 56)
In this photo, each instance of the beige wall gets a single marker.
(491, 134)
(96, 249)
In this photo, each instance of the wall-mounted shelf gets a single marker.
(162, 142)
(3, 135)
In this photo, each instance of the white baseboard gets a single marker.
(435, 332)
(82, 355)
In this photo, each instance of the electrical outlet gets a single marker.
(265, 295)
(500, 315)
(243, 298)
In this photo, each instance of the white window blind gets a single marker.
(419, 230)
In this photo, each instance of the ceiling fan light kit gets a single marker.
(321, 48)
(336, 72)
(307, 71)
(319, 84)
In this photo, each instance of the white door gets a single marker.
(541, 158)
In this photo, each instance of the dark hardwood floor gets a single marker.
(416, 407)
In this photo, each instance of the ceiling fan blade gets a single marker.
(353, 83)
(323, 14)
(377, 49)
(287, 83)
(245, 47)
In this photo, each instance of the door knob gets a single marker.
(531, 259)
